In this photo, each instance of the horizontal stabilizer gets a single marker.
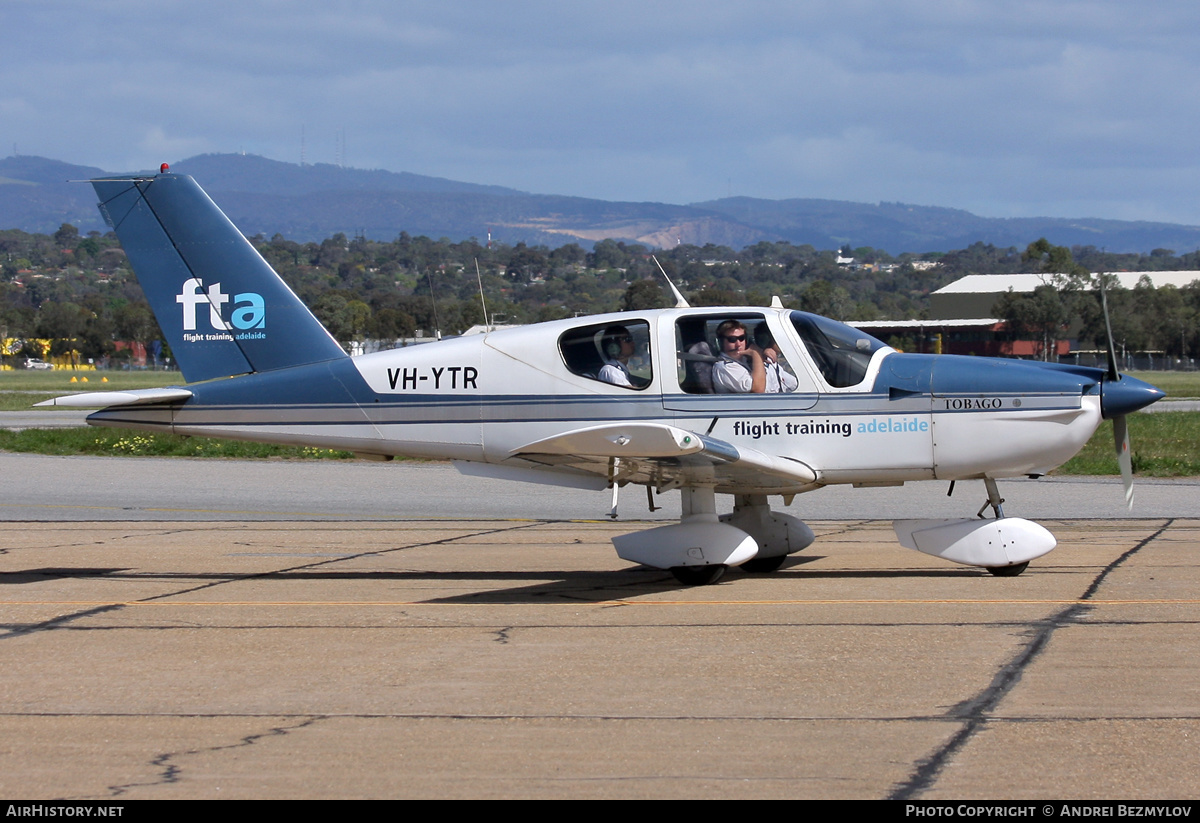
(103, 399)
(548, 477)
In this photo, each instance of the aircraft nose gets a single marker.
(1127, 395)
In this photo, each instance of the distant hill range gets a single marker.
(313, 202)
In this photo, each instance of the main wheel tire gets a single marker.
(764, 565)
(1009, 571)
(698, 575)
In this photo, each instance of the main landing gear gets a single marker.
(698, 575)
(764, 565)
(702, 545)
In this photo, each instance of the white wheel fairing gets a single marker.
(696, 543)
(972, 542)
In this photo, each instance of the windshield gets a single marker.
(841, 353)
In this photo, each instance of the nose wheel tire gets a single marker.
(698, 575)
(1009, 571)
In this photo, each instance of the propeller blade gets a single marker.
(1125, 398)
(1124, 457)
(1113, 374)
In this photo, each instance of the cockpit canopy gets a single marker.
(621, 353)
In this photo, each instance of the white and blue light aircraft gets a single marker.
(529, 404)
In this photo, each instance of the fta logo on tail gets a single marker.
(249, 310)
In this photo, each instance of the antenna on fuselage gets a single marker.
(437, 324)
(486, 325)
(680, 302)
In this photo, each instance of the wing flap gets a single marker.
(667, 457)
(619, 440)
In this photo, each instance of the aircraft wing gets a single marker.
(134, 397)
(668, 457)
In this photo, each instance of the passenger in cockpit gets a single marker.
(779, 379)
(617, 344)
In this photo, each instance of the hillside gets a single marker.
(313, 202)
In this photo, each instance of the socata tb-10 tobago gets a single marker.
(530, 404)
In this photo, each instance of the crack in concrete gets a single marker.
(170, 770)
(975, 712)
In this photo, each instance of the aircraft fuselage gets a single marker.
(481, 398)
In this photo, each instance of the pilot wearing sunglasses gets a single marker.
(740, 369)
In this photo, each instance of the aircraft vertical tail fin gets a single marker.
(221, 306)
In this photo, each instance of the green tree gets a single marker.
(1043, 315)
(824, 298)
(135, 321)
(1177, 319)
(643, 294)
(390, 324)
(346, 319)
(1052, 259)
(714, 297)
(1040, 316)
(66, 237)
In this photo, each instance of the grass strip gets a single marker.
(1165, 444)
(124, 443)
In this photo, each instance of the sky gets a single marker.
(1005, 108)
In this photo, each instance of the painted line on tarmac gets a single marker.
(389, 603)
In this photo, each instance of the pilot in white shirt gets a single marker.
(740, 369)
(617, 345)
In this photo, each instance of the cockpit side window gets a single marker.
(842, 353)
(701, 354)
(613, 353)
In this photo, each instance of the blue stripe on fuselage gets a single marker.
(334, 393)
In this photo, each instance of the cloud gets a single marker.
(1021, 107)
(157, 142)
